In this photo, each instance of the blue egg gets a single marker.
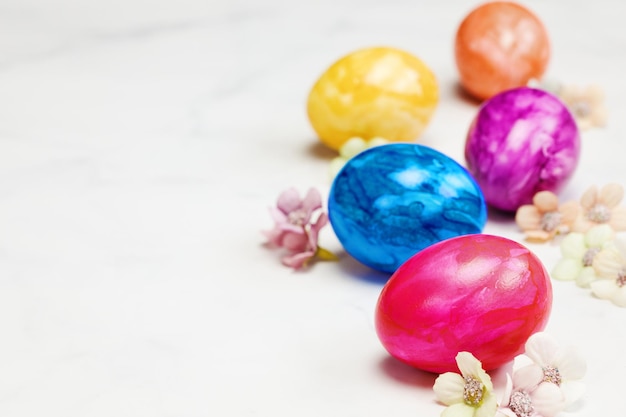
(391, 201)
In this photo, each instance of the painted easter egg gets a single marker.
(391, 201)
(477, 293)
(521, 141)
(500, 45)
(373, 92)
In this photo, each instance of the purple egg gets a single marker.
(522, 141)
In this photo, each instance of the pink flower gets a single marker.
(291, 215)
(295, 230)
(306, 252)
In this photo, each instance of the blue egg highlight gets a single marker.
(391, 201)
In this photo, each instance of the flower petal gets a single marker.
(278, 216)
(620, 247)
(470, 366)
(488, 407)
(618, 219)
(508, 389)
(599, 116)
(586, 276)
(289, 200)
(611, 195)
(572, 391)
(573, 246)
(322, 221)
(597, 236)
(335, 166)
(352, 147)
(312, 201)
(567, 269)
(569, 93)
(541, 348)
(547, 399)
(527, 377)
(546, 201)
(537, 236)
(603, 288)
(274, 236)
(528, 217)
(571, 364)
(608, 263)
(458, 410)
(298, 260)
(581, 224)
(584, 123)
(588, 199)
(449, 388)
(505, 412)
(376, 141)
(595, 94)
(619, 297)
(295, 242)
(569, 211)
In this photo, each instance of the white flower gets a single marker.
(558, 367)
(524, 398)
(610, 267)
(578, 252)
(469, 394)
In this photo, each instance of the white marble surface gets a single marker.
(140, 145)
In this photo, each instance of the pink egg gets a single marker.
(477, 293)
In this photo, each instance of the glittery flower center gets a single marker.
(297, 217)
(473, 391)
(621, 279)
(589, 256)
(521, 404)
(550, 221)
(581, 109)
(599, 214)
(552, 374)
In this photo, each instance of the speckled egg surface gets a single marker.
(522, 141)
(391, 201)
(477, 293)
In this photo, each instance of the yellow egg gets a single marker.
(384, 92)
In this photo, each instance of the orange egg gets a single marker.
(374, 92)
(499, 46)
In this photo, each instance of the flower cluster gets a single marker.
(546, 217)
(352, 147)
(591, 253)
(297, 224)
(548, 383)
(585, 103)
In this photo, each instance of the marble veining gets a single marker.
(391, 201)
(522, 141)
(140, 146)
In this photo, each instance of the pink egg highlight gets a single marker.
(477, 293)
